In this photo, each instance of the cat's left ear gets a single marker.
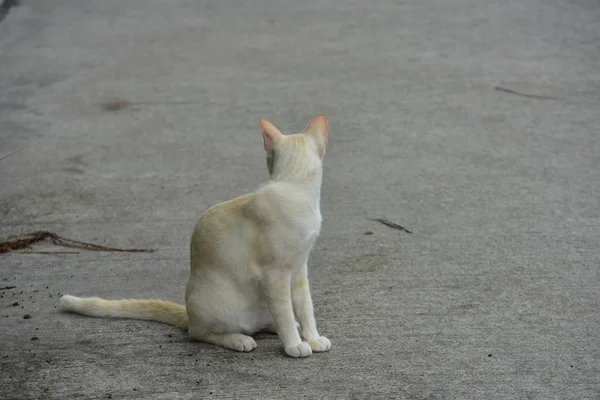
(318, 127)
(270, 133)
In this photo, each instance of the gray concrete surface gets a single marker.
(496, 294)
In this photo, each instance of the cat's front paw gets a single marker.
(320, 344)
(301, 350)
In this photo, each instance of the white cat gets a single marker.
(249, 257)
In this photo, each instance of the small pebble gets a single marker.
(26, 316)
(16, 303)
(369, 232)
(35, 338)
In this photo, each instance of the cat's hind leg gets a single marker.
(233, 341)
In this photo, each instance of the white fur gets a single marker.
(249, 257)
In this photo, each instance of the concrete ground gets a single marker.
(475, 124)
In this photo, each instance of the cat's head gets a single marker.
(295, 155)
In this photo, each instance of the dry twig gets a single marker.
(391, 224)
(118, 104)
(26, 240)
(47, 252)
(16, 151)
(528, 95)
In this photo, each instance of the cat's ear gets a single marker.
(318, 126)
(270, 133)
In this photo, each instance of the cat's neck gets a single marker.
(305, 183)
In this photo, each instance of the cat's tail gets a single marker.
(153, 310)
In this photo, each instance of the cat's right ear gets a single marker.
(270, 133)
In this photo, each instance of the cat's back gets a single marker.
(219, 229)
(223, 216)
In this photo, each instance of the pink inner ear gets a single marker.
(318, 126)
(267, 142)
(269, 132)
(325, 134)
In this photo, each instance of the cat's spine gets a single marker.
(149, 309)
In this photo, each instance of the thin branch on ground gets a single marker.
(528, 95)
(26, 240)
(391, 224)
(16, 151)
(46, 252)
(122, 104)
